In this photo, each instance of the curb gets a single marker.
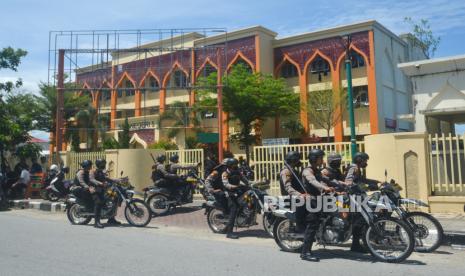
(38, 205)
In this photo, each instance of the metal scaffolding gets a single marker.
(97, 61)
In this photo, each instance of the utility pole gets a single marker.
(60, 103)
(350, 98)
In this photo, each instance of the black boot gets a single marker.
(113, 221)
(309, 257)
(98, 224)
(231, 235)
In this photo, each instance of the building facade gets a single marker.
(141, 87)
(438, 94)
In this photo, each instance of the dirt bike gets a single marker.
(427, 230)
(251, 202)
(58, 188)
(162, 199)
(387, 239)
(136, 212)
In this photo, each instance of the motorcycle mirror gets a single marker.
(121, 173)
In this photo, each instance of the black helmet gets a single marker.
(314, 154)
(359, 157)
(161, 158)
(86, 164)
(292, 157)
(65, 170)
(334, 157)
(100, 163)
(174, 158)
(230, 162)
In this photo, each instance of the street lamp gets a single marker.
(350, 99)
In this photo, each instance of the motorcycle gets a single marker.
(387, 239)
(58, 188)
(427, 230)
(251, 202)
(162, 200)
(136, 212)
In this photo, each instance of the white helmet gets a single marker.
(54, 168)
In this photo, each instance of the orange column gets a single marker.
(373, 108)
(303, 102)
(113, 99)
(257, 53)
(137, 102)
(338, 126)
(162, 99)
(193, 79)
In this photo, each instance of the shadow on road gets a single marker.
(327, 254)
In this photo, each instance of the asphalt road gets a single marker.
(39, 243)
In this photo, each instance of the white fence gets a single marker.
(447, 164)
(269, 160)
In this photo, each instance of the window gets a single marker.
(105, 95)
(289, 70)
(180, 79)
(207, 70)
(360, 95)
(319, 65)
(129, 92)
(357, 60)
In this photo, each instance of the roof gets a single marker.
(37, 140)
(336, 31)
(433, 66)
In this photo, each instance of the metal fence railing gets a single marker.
(447, 160)
(74, 160)
(269, 160)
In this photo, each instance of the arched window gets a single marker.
(289, 70)
(178, 79)
(356, 59)
(243, 63)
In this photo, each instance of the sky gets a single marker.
(26, 23)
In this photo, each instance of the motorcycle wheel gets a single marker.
(53, 197)
(44, 194)
(427, 231)
(268, 223)
(393, 244)
(73, 214)
(280, 233)
(158, 205)
(217, 221)
(137, 213)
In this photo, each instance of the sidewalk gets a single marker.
(453, 224)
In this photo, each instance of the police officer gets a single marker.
(88, 188)
(101, 175)
(290, 186)
(333, 168)
(355, 176)
(226, 178)
(315, 186)
(174, 167)
(160, 176)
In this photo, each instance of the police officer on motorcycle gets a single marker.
(160, 176)
(222, 183)
(101, 175)
(291, 186)
(174, 167)
(88, 188)
(315, 186)
(354, 176)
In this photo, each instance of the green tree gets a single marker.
(47, 101)
(422, 36)
(14, 124)
(178, 117)
(250, 98)
(323, 109)
(294, 127)
(124, 138)
(11, 59)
